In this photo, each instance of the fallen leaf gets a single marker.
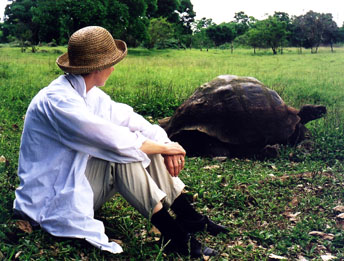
(284, 178)
(328, 256)
(211, 167)
(195, 197)
(83, 257)
(276, 257)
(316, 233)
(322, 234)
(206, 258)
(328, 236)
(307, 175)
(220, 159)
(340, 223)
(292, 216)
(155, 231)
(2, 159)
(17, 254)
(340, 216)
(294, 202)
(143, 233)
(118, 241)
(153, 239)
(301, 258)
(273, 167)
(321, 247)
(339, 208)
(24, 225)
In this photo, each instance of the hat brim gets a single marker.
(63, 61)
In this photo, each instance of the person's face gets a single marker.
(103, 75)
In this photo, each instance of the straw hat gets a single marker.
(91, 48)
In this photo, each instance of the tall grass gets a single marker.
(249, 196)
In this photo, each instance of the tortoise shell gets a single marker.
(230, 116)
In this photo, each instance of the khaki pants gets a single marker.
(142, 188)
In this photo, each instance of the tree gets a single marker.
(341, 34)
(1, 32)
(152, 7)
(160, 31)
(310, 28)
(297, 37)
(284, 17)
(331, 30)
(183, 29)
(200, 38)
(167, 8)
(186, 16)
(242, 22)
(49, 25)
(180, 14)
(51, 20)
(136, 30)
(253, 37)
(270, 32)
(222, 33)
(275, 32)
(18, 21)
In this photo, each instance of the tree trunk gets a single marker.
(232, 47)
(331, 47)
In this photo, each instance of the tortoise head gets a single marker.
(310, 112)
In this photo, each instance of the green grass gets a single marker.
(255, 199)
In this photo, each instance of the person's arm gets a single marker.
(172, 152)
(83, 131)
(124, 115)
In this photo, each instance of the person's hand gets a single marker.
(172, 152)
(174, 163)
(173, 148)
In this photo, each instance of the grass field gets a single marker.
(270, 206)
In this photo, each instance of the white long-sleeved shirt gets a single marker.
(63, 126)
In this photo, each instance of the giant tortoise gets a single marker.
(237, 116)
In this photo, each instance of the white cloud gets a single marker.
(224, 10)
(3, 4)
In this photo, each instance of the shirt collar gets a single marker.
(78, 83)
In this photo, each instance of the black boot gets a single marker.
(180, 241)
(192, 221)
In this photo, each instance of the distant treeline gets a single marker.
(163, 24)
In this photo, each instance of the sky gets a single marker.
(224, 10)
(3, 4)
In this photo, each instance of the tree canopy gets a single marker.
(163, 24)
(51, 20)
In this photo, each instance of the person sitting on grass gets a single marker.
(79, 148)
